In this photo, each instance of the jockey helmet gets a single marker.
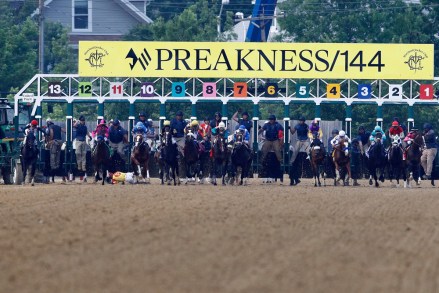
(142, 114)
(395, 123)
(139, 124)
(102, 122)
(341, 133)
(221, 125)
(427, 126)
(116, 122)
(302, 118)
(179, 113)
(206, 119)
(334, 131)
(377, 128)
(167, 123)
(315, 122)
(242, 127)
(49, 121)
(34, 122)
(271, 117)
(81, 118)
(194, 123)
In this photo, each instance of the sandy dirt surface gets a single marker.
(201, 238)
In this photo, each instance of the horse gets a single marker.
(100, 157)
(342, 162)
(317, 159)
(140, 158)
(191, 157)
(376, 160)
(413, 159)
(28, 157)
(220, 156)
(241, 157)
(167, 157)
(396, 163)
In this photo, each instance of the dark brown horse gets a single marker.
(140, 159)
(317, 160)
(397, 166)
(413, 159)
(167, 159)
(100, 157)
(342, 162)
(220, 156)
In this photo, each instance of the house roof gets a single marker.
(125, 4)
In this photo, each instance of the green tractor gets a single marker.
(10, 140)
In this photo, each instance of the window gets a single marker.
(82, 15)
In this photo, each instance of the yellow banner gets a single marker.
(256, 60)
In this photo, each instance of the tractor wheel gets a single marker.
(6, 172)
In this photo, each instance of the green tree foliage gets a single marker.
(364, 21)
(19, 47)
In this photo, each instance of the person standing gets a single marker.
(81, 145)
(430, 151)
(178, 126)
(216, 120)
(245, 120)
(274, 135)
(302, 144)
(118, 137)
(54, 143)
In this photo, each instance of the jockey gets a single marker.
(32, 127)
(246, 135)
(194, 128)
(220, 130)
(139, 128)
(205, 128)
(101, 131)
(315, 134)
(396, 130)
(166, 127)
(336, 140)
(372, 138)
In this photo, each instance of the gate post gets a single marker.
(348, 120)
(68, 155)
(162, 115)
(317, 111)
(411, 118)
(286, 156)
(225, 114)
(380, 115)
(100, 112)
(255, 136)
(194, 111)
(131, 118)
(38, 117)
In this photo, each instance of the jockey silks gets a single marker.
(116, 134)
(177, 127)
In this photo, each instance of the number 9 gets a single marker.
(178, 89)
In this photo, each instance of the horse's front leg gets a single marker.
(104, 174)
(32, 173)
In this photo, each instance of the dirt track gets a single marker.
(272, 238)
